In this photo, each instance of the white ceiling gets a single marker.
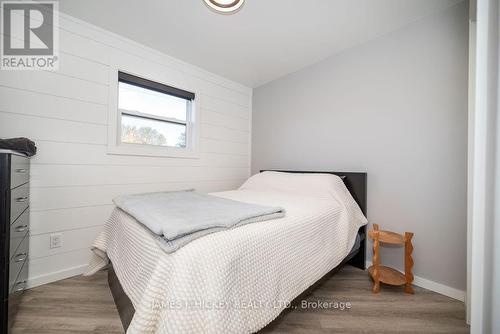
(266, 39)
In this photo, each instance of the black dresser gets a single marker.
(14, 221)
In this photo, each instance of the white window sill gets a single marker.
(153, 151)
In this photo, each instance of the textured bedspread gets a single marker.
(234, 281)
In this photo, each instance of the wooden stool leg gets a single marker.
(408, 263)
(376, 260)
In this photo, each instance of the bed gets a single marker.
(240, 280)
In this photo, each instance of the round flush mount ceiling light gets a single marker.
(224, 6)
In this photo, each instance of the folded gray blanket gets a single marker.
(180, 217)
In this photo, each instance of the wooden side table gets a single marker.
(387, 275)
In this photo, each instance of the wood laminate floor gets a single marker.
(85, 305)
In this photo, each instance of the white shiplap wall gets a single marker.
(73, 179)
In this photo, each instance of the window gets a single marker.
(153, 114)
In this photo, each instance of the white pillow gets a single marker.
(317, 185)
(303, 184)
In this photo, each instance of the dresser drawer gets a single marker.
(19, 170)
(19, 200)
(21, 280)
(17, 260)
(18, 230)
(16, 291)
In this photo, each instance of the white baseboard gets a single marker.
(55, 276)
(436, 287)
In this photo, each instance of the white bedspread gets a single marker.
(235, 281)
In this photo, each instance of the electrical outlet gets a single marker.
(56, 240)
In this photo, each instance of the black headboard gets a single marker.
(354, 181)
(356, 184)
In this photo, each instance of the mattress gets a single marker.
(235, 281)
(357, 244)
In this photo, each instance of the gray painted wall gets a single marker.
(395, 107)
